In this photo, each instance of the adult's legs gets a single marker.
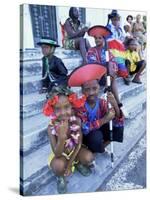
(80, 43)
(88, 46)
(115, 90)
(114, 86)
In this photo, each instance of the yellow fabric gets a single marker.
(133, 57)
(52, 155)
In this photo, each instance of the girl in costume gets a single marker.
(97, 54)
(95, 114)
(65, 136)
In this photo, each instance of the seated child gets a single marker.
(134, 64)
(54, 71)
(97, 55)
(95, 114)
(65, 135)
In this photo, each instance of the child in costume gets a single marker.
(116, 46)
(134, 63)
(114, 26)
(54, 71)
(65, 135)
(97, 54)
(95, 114)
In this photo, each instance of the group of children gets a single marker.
(79, 125)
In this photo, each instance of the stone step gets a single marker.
(131, 91)
(32, 84)
(32, 103)
(35, 134)
(34, 68)
(31, 68)
(33, 123)
(36, 54)
(37, 179)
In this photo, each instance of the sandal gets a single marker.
(127, 81)
(84, 170)
(61, 185)
(136, 81)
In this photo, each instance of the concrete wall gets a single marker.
(26, 36)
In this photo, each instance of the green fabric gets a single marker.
(46, 67)
(48, 41)
(69, 44)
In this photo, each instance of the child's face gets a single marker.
(115, 21)
(99, 40)
(47, 49)
(63, 108)
(91, 90)
(133, 46)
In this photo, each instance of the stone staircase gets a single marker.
(35, 176)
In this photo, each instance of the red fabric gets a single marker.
(115, 44)
(47, 109)
(75, 101)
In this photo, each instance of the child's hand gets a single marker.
(68, 171)
(62, 130)
(108, 116)
(111, 113)
(111, 99)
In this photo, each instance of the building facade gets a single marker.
(37, 21)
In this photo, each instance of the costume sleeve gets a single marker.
(61, 67)
(91, 56)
